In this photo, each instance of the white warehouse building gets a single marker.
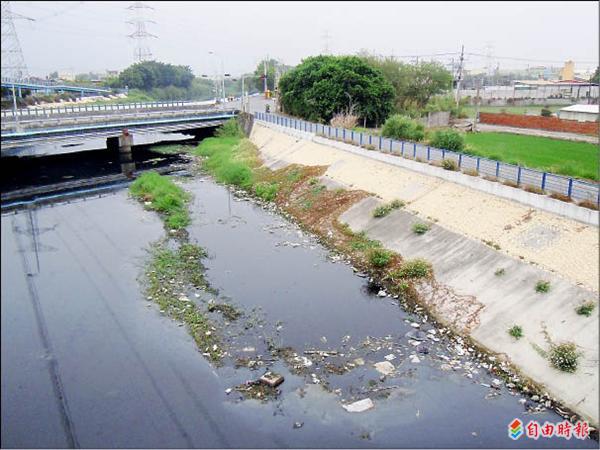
(580, 113)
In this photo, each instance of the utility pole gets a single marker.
(265, 77)
(460, 74)
(142, 51)
(477, 103)
(326, 38)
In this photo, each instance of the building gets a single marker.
(568, 71)
(580, 113)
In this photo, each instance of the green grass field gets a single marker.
(470, 110)
(575, 159)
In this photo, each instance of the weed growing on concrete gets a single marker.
(586, 309)
(516, 331)
(542, 287)
(564, 357)
(588, 204)
(449, 164)
(384, 210)
(500, 272)
(414, 268)
(561, 197)
(420, 228)
(492, 244)
(159, 193)
(510, 183)
(379, 257)
(471, 172)
(533, 189)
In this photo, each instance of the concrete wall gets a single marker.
(539, 122)
(578, 116)
(472, 299)
(570, 210)
(436, 119)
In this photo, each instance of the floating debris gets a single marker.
(385, 367)
(359, 406)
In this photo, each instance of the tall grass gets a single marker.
(163, 196)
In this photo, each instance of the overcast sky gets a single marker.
(92, 36)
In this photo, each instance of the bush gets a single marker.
(415, 268)
(420, 228)
(344, 120)
(448, 140)
(231, 128)
(564, 357)
(379, 257)
(516, 331)
(403, 128)
(546, 112)
(586, 309)
(449, 164)
(542, 287)
(266, 191)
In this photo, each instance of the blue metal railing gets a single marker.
(578, 190)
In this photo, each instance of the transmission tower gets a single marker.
(326, 38)
(13, 63)
(141, 35)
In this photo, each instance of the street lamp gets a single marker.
(222, 72)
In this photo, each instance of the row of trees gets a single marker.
(148, 75)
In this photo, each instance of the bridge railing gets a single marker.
(43, 112)
(511, 174)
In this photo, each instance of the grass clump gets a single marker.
(564, 357)
(585, 309)
(361, 242)
(414, 268)
(384, 210)
(164, 196)
(516, 331)
(542, 287)
(379, 257)
(420, 228)
(449, 164)
(500, 272)
(266, 191)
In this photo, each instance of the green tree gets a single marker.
(414, 84)
(322, 86)
(147, 75)
(274, 68)
(596, 77)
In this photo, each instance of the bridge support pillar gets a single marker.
(125, 156)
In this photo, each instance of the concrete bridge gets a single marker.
(19, 86)
(72, 126)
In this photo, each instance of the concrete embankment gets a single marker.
(532, 245)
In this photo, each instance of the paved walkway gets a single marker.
(536, 132)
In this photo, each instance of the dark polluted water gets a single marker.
(92, 363)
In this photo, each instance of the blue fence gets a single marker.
(522, 176)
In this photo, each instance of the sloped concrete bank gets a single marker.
(469, 296)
